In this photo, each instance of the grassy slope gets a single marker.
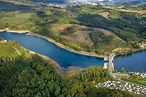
(7, 51)
(141, 82)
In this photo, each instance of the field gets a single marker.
(138, 82)
(7, 50)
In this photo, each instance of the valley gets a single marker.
(55, 48)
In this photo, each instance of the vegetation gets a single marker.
(79, 27)
(69, 30)
(137, 79)
(1, 39)
(128, 27)
(109, 93)
(99, 37)
(29, 75)
(94, 75)
(8, 51)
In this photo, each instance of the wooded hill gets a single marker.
(81, 27)
(29, 75)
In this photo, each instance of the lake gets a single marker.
(133, 62)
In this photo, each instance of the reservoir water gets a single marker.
(133, 62)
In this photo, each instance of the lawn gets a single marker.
(137, 82)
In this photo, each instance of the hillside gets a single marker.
(31, 76)
(81, 27)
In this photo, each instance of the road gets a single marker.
(112, 55)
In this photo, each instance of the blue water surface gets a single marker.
(134, 62)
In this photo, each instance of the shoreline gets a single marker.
(67, 48)
(45, 58)
(54, 42)
(59, 68)
(14, 31)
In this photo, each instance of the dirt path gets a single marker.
(17, 51)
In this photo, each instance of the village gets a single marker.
(124, 86)
(143, 74)
(121, 83)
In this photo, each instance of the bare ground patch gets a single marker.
(58, 29)
(80, 37)
(105, 15)
(120, 49)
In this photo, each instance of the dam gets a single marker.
(109, 64)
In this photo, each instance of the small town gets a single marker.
(121, 84)
(143, 75)
(124, 86)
